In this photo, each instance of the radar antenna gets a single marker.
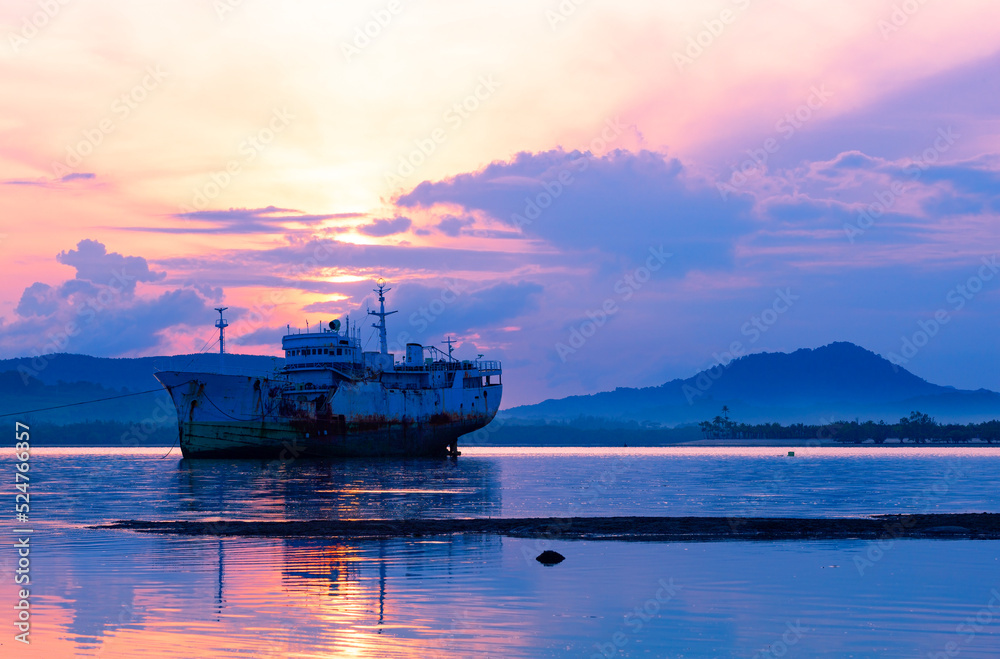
(381, 313)
(222, 324)
(448, 341)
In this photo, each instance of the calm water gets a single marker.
(116, 594)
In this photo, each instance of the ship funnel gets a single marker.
(414, 354)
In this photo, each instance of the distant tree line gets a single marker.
(918, 428)
(101, 433)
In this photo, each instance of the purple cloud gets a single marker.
(93, 263)
(382, 228)
(621, 203)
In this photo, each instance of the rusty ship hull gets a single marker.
(241, 416)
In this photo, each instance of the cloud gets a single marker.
(240, 221)
(848, 160)
(905, 121)
(301, 264)
(52, 183)
(907, 190)
(381, 228)
(980, 176)
(620, 203)
(98, 311)
(428, 312)
(93, 263)
(37, 300)
(453, 226)
(78, 176)
(263, 336)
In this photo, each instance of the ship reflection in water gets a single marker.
(125, 594)
(280, 598)
(343, 489)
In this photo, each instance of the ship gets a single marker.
(333, 399)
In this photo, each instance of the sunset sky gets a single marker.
(598, 194)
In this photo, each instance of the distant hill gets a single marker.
(64, 379)
(134, 374)
(835, 382)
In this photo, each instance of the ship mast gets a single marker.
(381, 313)
(222, 325)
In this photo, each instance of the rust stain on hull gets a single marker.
(323, 440)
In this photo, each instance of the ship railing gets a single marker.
(483, 366)
(273, 374)
(330, 366)
(488, 367)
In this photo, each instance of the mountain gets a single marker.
(835, 382)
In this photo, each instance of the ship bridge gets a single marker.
(319, 360)
(325, 348)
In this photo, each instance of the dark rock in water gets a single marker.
(549, 557)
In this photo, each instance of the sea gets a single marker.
(97, 592)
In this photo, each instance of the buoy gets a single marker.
(791, 454)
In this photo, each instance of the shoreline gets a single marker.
(976, 526)
(700, 443)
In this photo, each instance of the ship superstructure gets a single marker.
(334, 399)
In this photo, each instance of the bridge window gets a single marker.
(340, 351)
